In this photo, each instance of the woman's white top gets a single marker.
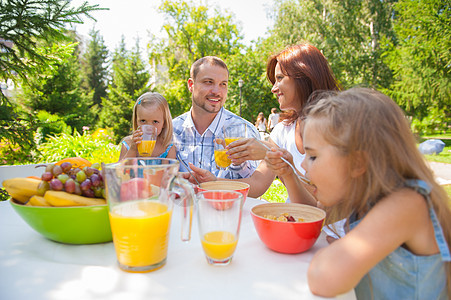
(284, 137)
(261, 126)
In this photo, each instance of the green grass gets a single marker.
(276, 192)
(445, 155)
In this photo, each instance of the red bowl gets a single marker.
(288, 237)
(227, 185)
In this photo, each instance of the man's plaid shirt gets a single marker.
(199, 149)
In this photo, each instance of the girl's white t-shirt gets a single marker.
(284, 137)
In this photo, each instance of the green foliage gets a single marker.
(95, 68)
(11, 153)
(420, 58)
(16, 128)
(348, 33)
(256, 91)
(56, 89)
(193, 31)
(49, 125)
(436, 121)
(85, 146)
(130, 80)
(23, 24)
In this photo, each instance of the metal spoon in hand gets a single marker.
(299, 175)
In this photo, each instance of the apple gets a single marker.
(134, 189)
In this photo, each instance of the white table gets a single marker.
(33, 267)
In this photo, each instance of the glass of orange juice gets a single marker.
(149, 137)
(221, 159)
(234, 132)
(140, 194)
(219, 219)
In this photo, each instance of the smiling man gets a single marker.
(195, 130)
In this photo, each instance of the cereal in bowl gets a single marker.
(284, 217)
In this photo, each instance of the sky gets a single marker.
(135, 18)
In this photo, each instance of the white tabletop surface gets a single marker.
(33, 267)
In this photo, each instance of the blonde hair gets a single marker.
(366, 124)
(156, 100)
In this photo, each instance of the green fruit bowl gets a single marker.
(69, 225)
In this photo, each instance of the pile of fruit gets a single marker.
(70, 182)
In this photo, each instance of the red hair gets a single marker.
(308, 67)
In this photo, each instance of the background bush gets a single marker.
(49, 125)
(95, 147)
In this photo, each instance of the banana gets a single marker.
(21, 188)
(59, 198)
(37, 201)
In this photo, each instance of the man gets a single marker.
(273, 119)
(195, 130)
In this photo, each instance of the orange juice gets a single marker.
(219, 245)
(145, 148)
(140, 232)
(231, 140)
(221, 158)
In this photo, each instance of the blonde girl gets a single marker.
(151, 109)
(364, 163)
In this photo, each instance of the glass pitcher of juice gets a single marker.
(140, 195)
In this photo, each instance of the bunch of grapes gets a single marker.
(87, 182)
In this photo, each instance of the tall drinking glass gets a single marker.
(219, 219)
(149, 138)
(234, 132)
(221, 159)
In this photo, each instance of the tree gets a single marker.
(420, 60)
(256, 91)
(56, 89)
(348, 33)
(191, 34)
(22, 25)
(130, 80)
(95, 68)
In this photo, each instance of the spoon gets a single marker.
(187, 167)
(299, 175)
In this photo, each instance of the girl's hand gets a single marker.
(278, 166)
(200, 174)
(245, 149)
(137, 136)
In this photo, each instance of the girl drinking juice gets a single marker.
(150, 109)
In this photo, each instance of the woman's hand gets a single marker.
(245, 149)
(276, 164)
